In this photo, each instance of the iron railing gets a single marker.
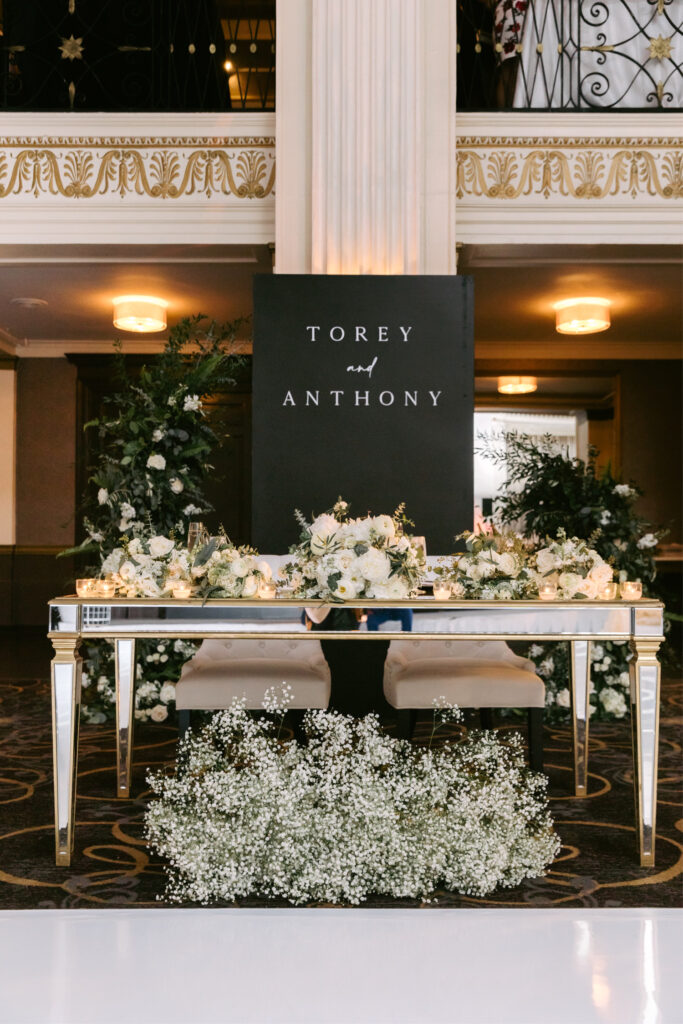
(137, 55)
(570, 54)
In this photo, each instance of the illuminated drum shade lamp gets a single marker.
(143, 314)
(517, 385)
(582, 316)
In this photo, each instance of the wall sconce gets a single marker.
(582, 316)
(517, 385)
(141, 313)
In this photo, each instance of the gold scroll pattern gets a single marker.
(492, 169)
(163, 172)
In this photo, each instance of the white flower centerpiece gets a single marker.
(351, 813)
(495, 566)
(153, 566)
(577, 568)
(340, 559)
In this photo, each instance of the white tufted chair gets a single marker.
(223, 670)
(480, 674)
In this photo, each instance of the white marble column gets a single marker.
(366, 136)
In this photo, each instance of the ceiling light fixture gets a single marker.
(143, 314)
(582, 316)
(517, 385)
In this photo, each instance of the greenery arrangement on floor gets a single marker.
(549, 492)
(153, 452)
(350, 813)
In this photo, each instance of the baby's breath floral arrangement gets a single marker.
(494, 566)
(339, 558)
(350, 813)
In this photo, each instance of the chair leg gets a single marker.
(405, 727)
(535, 719)
(183, 723)
(486, 718)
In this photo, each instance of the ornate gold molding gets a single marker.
(159, 168)
(514, 168)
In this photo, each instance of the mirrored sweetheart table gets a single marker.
(125, 620)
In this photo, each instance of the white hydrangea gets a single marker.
(192, 403)
(613, 701)
(623, 490)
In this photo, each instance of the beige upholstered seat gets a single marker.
(223, 670)
(480, 674)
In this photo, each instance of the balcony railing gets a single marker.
(137, 55)
(570, 55)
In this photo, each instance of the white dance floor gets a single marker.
(319, 966)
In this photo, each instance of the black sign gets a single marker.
(363, 387)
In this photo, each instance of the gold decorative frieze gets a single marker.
(564, 168)
(157, 168)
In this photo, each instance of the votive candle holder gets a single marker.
(631, 590)
(106, 588)
(182, 590)
(608, 592)
(547, 591)
(267, 590)
(86, 587)
(442, 591)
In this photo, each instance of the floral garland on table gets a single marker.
(350, 813)
(503, 565)
(341, 559)
(153, 566)
(494, 567)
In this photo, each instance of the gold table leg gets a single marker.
(580, 700)
(124, 657)
(645, 679)
(65, 672)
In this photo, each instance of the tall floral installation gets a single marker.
(551, 494)
(340, 559)
(153, 451)
(349, 813)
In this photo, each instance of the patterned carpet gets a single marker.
(597, 866)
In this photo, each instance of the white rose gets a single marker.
(160, 546)
(265, 569)
(103, 496)
(375, 566)
(157, 435)
(624, 679)
(597, 652)
(546, 561)
(394, 590)
(648, 540)
(624, 490)
(347, 589)
(587, 587)
(167, 693)
(250, 587)
(507, 564)
(384, 526)
(240, 567)
(159, 713)
(570, 583)
(605, 517)
(177, 485)
(191, 403)
(156, 462)
(344, 561)
(613, 702)
(323, 530)
(563, 698)
(602, 573)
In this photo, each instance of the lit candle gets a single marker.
(608, 592)
(631, 590)
(547, 591)
(182, 589)
(86, 588)
(106, 588)
(268, 590)
(442, 591)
